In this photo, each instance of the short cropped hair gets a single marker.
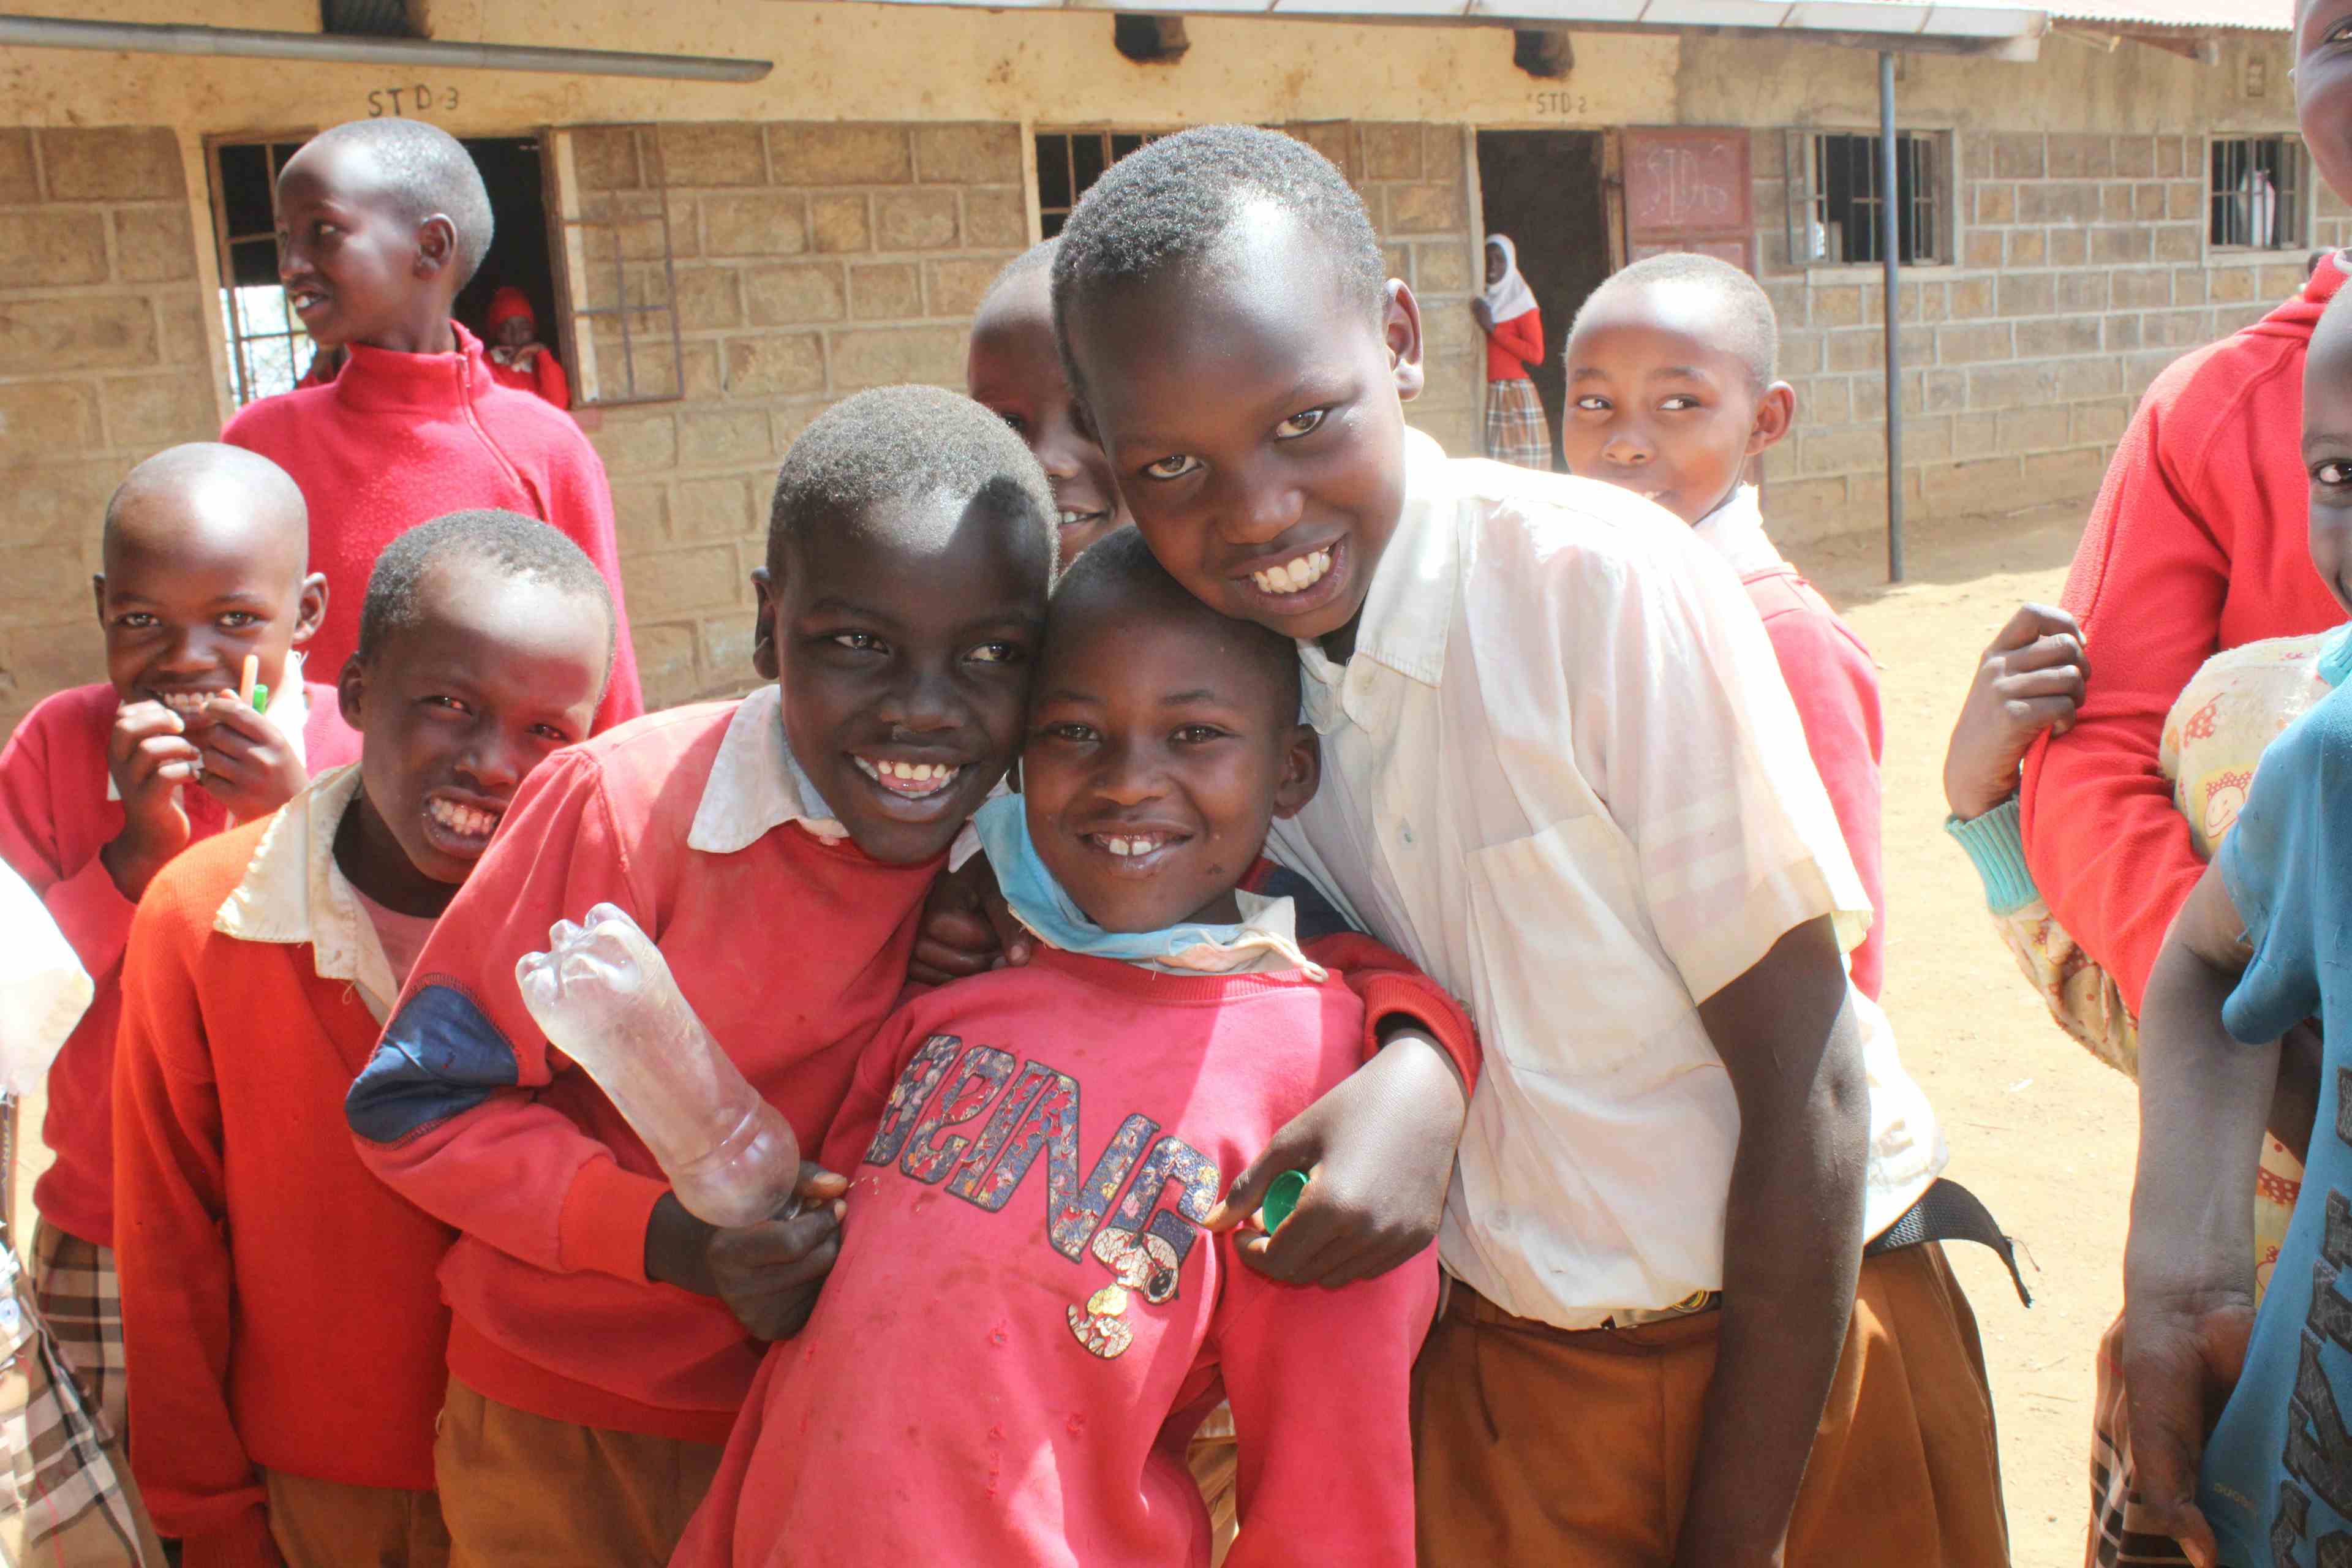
(504, 542)
(1171, 202)
(1040, 255)
(1122, 567)
(427, 170)
(897, 443)
(1751, 332)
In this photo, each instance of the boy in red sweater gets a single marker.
(260, 970)
(1671, 387)
(1167, 1027)
(100, 785)
(381, 222)
(2195, 544)
(778, 849)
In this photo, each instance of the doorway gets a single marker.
(1545, 190)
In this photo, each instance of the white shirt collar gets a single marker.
(756, 784)
(289, 709)
(1735, 530)
(1265, 942)
(1410, 603)
(294, 892)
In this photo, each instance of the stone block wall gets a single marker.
(2081, 271)
(103, 361)
(815, 260)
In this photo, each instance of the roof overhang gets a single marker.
(2010, 32)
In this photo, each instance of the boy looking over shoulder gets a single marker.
(1163, 738)
(778, 852)
(1563, 775)
(1673, 385)
(205, 572)
(380, 224)
(260, 969)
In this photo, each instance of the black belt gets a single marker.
(1947, 1211)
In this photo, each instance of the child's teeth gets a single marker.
(1302, 571)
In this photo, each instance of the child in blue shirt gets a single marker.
(2263, 943)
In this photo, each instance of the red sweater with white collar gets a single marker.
(1514, 346)
(55, 818)
(2199, 543)
(792, 951)
(397, 439)
(279, 1303)
(1009, 1354)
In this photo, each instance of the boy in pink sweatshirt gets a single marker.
(1083, 1112)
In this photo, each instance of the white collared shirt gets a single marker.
(293, 891)
(1562, 773)
(1735, 530)
(756, 784)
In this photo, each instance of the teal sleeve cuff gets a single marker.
(1995, 843)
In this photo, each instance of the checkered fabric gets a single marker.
(1516, 430)
(2116, 1541)
(81, 1302)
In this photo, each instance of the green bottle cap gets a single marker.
(1281, 1198)
(260, 699)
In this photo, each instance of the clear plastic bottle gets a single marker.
(605, 997)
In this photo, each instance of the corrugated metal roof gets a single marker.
(2263, 15)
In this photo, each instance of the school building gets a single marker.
(2085, 189)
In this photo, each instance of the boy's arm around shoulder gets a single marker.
(171, 1244)
(1321, 1386)
(2240, 967)
(1380, 1144)
(445, 1110)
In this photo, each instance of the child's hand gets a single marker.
(151, 758)
(1379, 1149)
(768, 1273)
(249, 765)
(1484, 314)
(2029, 679)
(2182, 1354)
(967, 929)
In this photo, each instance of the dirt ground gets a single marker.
(2038, 1130)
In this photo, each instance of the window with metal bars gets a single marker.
(1070, 161)
(2256, 198)
(1835, 200)
(267, 349)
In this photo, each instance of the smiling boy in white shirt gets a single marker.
(1563, 775)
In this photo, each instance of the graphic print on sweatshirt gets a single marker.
(1026, 1110)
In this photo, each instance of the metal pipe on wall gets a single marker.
(1892, 271)
(1890, 241)
(180, 39)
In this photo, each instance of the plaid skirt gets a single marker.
(81, 1300)
(67, 1498)
(1516, 430)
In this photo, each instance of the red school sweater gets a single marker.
(792, 951)
(1836, 688)
(55, 818)
(397, 439)
(278, 1302)
(2198, 542)
(1514, 346)
(1009, 1356)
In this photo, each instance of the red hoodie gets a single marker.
(397, 439)
(984, 1384)
(2198, 542)
(55, 818)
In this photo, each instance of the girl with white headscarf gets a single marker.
(1516, 430)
